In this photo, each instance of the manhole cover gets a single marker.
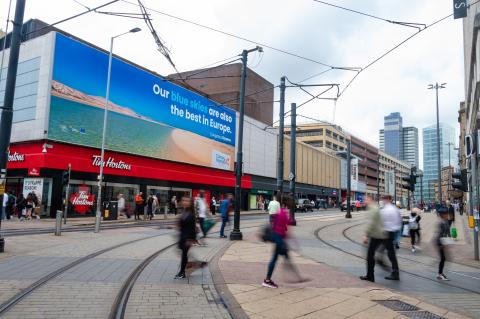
(421, 315)
(398, 305)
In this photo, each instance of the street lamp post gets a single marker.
(437, 87)
(236, 234)
(98, 215)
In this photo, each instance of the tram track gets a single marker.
(329, 244)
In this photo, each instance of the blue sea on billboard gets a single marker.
(80, 72)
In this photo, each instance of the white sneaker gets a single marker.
(442, 277)
(413, 249)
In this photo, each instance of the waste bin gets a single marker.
(110, 211)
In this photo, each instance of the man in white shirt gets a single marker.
(201, 210)
(273, 208)
(4, 205)
(392, 222)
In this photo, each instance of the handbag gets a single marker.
(208, 224)
(266, 233)
(454, 232)
(446, 241)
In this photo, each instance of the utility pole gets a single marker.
(7, 109)
(378, 178)
(439, 165)
(349, 176)
(449, 144)
(395, 183)
(236, 234)
(280, 138)
(293, 142)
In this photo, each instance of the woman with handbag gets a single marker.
(443, 240)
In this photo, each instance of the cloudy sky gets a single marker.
(304, 27)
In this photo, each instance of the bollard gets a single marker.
(165, 213)
(58, 223)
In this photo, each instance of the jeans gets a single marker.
(441, 251)
(222, 228)
(200, 221)
(414, 233)
(280, 249)
(183, 263)
(373, 244)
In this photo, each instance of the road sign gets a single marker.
(291, 176)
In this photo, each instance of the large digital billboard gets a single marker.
(147, 115)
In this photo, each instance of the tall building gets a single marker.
(430, 151)
(398, 141)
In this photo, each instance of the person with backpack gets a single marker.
(414, 226)
(225, 208)
(139, 205)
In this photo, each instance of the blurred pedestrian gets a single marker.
(21, 202)
(186, 225)
(414, 227)
(279, 235)
(374, 237)
(273, 208)
(392, 222)
(139, 205)
(451, 213)
(225, 209)
(150, 206)
(121, 206)
(174, 205)
(442, 241)
(201, 211)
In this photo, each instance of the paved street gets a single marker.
(231, 285)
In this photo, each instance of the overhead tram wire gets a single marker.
(247, 40)
(418, 26)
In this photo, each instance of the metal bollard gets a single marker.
(165, 212)
(58, 223)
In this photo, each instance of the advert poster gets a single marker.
(33, 185)
(147, 115)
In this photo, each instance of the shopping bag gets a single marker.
(406, 230)
(446, 241)
(454, 232)
(266, 233)
(208, 224)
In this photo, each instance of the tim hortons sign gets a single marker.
(111, 163)
(82, 201)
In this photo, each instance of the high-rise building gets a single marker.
(430, 151)
(398, 141)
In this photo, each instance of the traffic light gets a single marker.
(66, 177)
(462, 182)
(410, 180)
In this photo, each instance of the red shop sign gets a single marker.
(33, 171)
(82, 201)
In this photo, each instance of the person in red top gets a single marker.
(279, 234)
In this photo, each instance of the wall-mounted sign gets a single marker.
(16, 157)
(111, 163)
(459, 9)
(33, 171)
(82, 201)
(33, 185)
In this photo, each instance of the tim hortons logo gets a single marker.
(111, 163)
(82, 201)
(15, 157)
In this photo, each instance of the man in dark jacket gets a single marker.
(451, 213)
(225, 209)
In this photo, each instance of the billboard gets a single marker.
(147, 115)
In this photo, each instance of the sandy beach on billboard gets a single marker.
(196, 149)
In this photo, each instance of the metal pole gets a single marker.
(438, 151)
(67, 191)
(280, 137)
(472, 189)
(98, 215)
(378, 178)
(421, 190)
(395, 183)
(235, 233)
(349, 176)
(7, 109)
(293, 142)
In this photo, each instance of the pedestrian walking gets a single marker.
(451, 213)
(392, 222)
(398, 234)
(201, 211)
(187, 228)
(279, 235)
(273, 208)
(121, 206)
(460, 208)
(10, 204)
(4, 205)
(213, 205)
(225, 209)
(374, 237)
(139, 205)
(21, 202)
(414, 227)
(29, 206)
(442, 241)
(150, 204)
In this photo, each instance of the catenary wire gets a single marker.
(418, 26)
(247, 40)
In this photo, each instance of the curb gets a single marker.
(236, 311)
